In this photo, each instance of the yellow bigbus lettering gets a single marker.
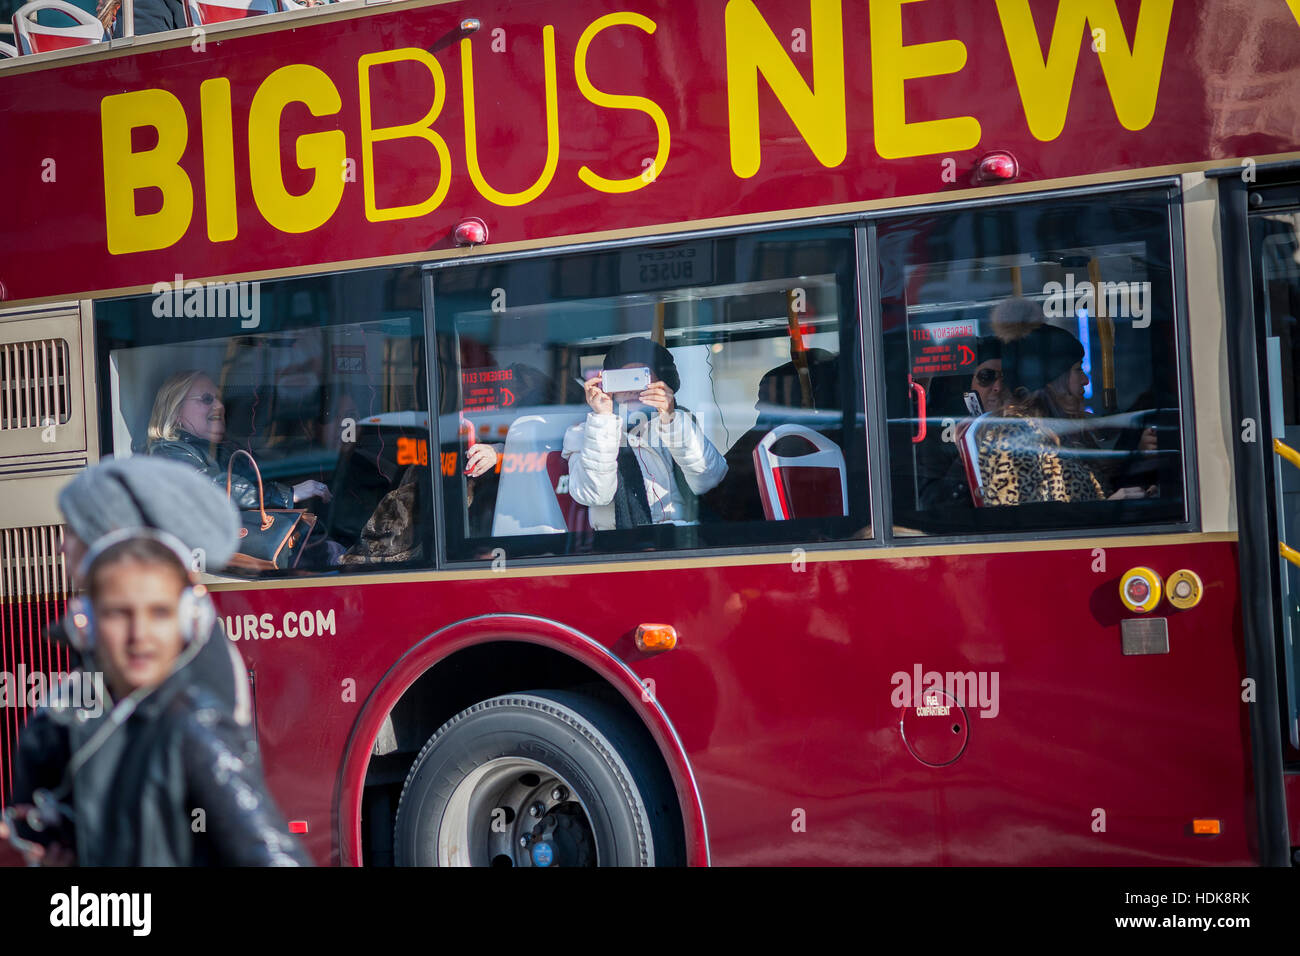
(753, 48)
(552, 127)
(321, 152)
(125, 171)
(892, 64)
(218, 160)
(422, 129)
(1133, 77)
(617, 101)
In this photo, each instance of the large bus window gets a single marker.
(1031, 366)
(320, 380)
(739, 422)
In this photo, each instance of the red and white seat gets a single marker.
(36, 37)
(7, 50)
(205, 12)
(969, 452)
(811, 485)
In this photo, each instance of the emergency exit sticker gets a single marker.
(487, 389)
(942, 348)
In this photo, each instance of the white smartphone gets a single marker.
(624, 380)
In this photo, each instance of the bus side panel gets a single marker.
(784, 684)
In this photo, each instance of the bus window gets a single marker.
(738, 422)
(1031, 366)
(320, 380)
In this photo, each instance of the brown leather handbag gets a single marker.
(269, 539)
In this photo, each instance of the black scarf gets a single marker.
(631, 504)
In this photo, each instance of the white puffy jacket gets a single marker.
(591, 450)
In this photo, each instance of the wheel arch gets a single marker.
(568, 649)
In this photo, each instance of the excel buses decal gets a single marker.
(380, 131)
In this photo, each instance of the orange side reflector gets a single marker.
(1205, 826)
(653, 638)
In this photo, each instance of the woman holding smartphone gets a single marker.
(639, 459)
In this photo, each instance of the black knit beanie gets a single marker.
(152, 493)
(1040, 357)
(648, 353)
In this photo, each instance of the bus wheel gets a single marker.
(543, 778)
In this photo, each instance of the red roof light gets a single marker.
(471, 232)
(997, 167)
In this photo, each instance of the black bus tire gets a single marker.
(628, 805)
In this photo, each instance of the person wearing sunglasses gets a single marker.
(1043, 446)
(188, 425)
(987, 383)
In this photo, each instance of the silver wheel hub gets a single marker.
(513, 811)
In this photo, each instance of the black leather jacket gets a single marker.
(193, 451)
(136, 785)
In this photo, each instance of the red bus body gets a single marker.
(774, 713)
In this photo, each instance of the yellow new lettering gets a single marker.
(126, 171)
(753, 48)
(218, 159)
(1133, 77)
(422, 128)
(891, 65)
(617, 102)
(552, 127)
(321, 152)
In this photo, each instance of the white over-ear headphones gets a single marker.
(195, 612)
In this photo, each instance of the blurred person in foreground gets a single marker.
(167, 774)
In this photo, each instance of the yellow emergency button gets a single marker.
(1139, 589)
(1184, 589)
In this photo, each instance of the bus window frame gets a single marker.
(1182, 350)
(855, 221)
(101, 365)
(879, 505)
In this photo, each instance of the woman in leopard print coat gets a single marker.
(1038, 449)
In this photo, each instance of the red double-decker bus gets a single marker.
(951, 528)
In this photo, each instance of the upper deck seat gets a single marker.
(204, 12)
(36, 37)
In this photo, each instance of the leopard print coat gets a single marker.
(1020, 461)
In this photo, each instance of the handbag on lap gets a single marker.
(269, 539)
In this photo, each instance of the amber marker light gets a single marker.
(655, 638)
(1205, 827)
(1140, 589)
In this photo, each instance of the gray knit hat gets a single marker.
(152, 493)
